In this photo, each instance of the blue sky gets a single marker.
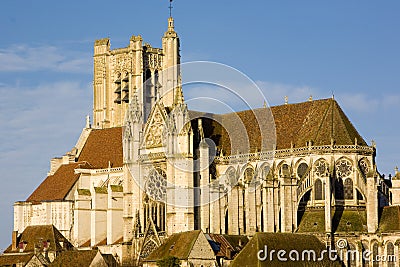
(294, 48)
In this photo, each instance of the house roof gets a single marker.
(318, 121)
(177, 245)
(78, 258)
(58, 185)
(228, 245)
(390, 219)
(103, 146)
(15, 259)
(35, 236)
(281, 241)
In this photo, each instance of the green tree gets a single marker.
(169, 261)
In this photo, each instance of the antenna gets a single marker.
(170, 8)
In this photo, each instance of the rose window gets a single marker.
(321, 168)
(156, 185)
(343, 168)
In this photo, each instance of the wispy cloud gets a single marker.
(25, 58)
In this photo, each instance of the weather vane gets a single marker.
(170, 8)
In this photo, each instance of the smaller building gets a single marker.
(84, 258)
(42, 240)
(226, 247)
(191, 248)
(21, 260)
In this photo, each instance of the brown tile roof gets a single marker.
(36, 235)
(78, 258)
(177, 245)
(103, 146)
(15, 259)
(318, 121)
(282, 241)
(235, 243)
(58, 185)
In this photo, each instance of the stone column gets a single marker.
(372, 204)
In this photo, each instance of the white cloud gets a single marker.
(50, 58)
(37, 124)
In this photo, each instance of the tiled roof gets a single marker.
(103, 146)
(78, 258)
(15, 259)
(177, 245)
(282, 241)
(56, 186)
(229, 245)
(348, 220)
(318, 121)
(390, 219)
(36, 235)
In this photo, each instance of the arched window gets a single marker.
(284, 171)
(339, 194)
(351, 257)
(391, 260)
(375, 254)
(348, 189)
(301, 169)
(318, 190)
(248, 174)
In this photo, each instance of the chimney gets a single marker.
(14, 240)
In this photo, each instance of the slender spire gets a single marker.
(170, 8)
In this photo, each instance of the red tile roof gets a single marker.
(35, 235)
(56, 186)
(318, 121)
(103, 146)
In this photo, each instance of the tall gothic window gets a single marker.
(155, 197)
(318, 190)
(339, 194)
(375, 254)
(390, 255)
(348, 189)
(248, 174)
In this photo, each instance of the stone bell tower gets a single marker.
(171, 75)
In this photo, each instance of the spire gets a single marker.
(179, 96)
(170, 8)
(171, 27)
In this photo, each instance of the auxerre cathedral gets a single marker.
(149, 180)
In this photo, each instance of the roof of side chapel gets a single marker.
(103, 146)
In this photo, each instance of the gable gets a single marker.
(154, 128)
(201, 249)
(178, 245)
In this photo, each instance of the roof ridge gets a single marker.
(323, 120)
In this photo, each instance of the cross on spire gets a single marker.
(170, 8)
